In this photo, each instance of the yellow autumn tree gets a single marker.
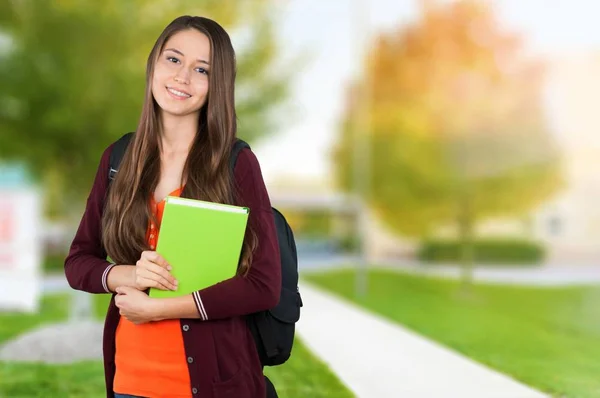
(456, 129)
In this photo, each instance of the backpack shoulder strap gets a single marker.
(237, 148)
(120, 146)
(116, 155)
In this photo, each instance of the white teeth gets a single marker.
(179, 93)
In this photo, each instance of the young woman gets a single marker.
(196, 345)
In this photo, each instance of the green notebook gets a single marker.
(202, 241)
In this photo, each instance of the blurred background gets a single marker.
(438, 162)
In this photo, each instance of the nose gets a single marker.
(182, 76)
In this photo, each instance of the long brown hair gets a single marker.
(206, 172)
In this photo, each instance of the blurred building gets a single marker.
(570, 223)
(20, 240)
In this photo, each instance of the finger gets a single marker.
(156, 269)
(121, 302)
(147, 282)
(162, 280)
(123, 290)
(157, 259)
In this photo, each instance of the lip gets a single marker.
(175, 96)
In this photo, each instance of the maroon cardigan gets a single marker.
(221, 355)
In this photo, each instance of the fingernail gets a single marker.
(169, 267)
(176, 282)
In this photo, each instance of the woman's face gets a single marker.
(180, 81)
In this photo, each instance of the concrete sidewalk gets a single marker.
(542, 275)
(377, 358)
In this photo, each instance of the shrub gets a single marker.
(486, 251)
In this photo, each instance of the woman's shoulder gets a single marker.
(107, 151)
(247, 164)
(250, 182)
(102, 174)
(119, 145)
(104, 155)
(104, 162)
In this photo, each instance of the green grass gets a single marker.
(302, 376)
(305, 376)
(53, 308)
(83, 379)
(548, 338)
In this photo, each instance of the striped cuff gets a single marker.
(105, 277)
(200, 306)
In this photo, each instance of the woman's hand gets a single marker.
(135, 305)
(152, 270)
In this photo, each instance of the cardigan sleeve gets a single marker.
(86, 267)
(260, 289)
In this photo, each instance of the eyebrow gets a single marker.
(180, 53)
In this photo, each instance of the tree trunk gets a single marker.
(465, 224)
(54, 205)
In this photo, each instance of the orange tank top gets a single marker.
(150, 358)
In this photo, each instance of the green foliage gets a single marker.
(350, 243)
(73, 75)
(54, 263)
(456, 130)
(312, 224)
(485, 251)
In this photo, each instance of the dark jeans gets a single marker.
(271, 392)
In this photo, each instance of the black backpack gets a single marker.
(273, 330)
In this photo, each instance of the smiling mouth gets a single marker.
(178, 94)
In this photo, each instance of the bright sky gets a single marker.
(334, 31)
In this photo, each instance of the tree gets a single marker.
(456, 127)
(73, 74)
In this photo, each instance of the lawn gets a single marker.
(548, 338)
(302, 376)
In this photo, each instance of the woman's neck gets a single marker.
(178, 133)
